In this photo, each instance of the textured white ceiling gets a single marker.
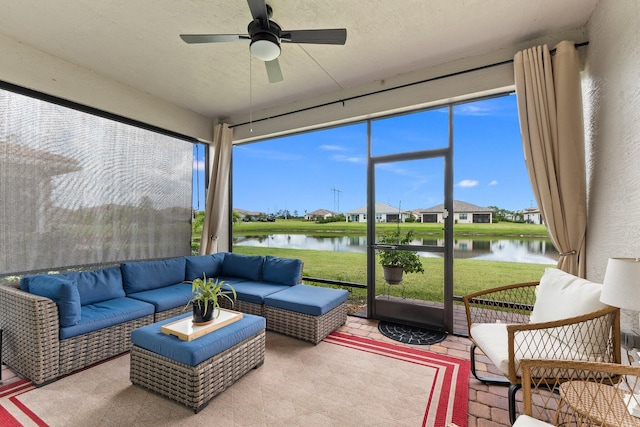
(136, 42)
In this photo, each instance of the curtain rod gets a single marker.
(377, 92)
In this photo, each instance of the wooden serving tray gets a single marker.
(186, 330)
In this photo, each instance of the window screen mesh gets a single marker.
(78, 189)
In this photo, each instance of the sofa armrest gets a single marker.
(591, 337)
(504, 304)
(31, 332)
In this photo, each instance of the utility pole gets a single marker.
(336, 196)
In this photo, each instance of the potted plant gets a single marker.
(394, 262)
(205, 300)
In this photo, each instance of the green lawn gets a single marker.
(469, 275)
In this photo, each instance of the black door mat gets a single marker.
(410, 335)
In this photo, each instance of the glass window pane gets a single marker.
(424, 130)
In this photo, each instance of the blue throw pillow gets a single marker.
(198, 265)
(65, 294)
(97, 285)
(146, 275)
(242, 266)
(24, 283)
(286, 271)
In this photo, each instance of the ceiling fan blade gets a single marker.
(259, 10)
(213, 38)
(273, 71)
(330, 36)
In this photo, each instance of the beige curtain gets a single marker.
(218, 193)
(550, 110)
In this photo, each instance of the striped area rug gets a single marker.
(344, 380)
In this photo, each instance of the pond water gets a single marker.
(536, 251)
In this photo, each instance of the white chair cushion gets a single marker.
(491, 338)
(527, 421)
(562, 295)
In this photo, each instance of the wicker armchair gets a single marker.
(503, 324)
(577, 393)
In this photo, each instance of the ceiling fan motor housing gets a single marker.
(265, 39)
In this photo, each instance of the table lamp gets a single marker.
(621, 284)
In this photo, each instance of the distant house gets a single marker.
(247, 215)
(417, 214)
(532, 216)
(319, 214)
(384, 213)
(463, 213)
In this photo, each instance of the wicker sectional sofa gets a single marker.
(56, 324)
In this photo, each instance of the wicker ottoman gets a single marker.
(306, 312)
(193, 372)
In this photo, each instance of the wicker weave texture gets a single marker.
(172, 312)
(31, 334)
(505, 304)
(195, 386)
(32, 345)
(586, 393)
(86, 349)
(243, 306)
(305, 326)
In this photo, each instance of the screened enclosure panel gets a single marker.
(77, 189)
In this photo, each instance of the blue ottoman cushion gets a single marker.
(200, 349)
(306, 299)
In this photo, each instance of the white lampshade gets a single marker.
(266, 49)
(621, 284)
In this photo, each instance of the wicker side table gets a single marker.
(601, 404)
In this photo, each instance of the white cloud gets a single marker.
(474, 110)
(348, 159)
(332, 148)
(494, 182)
(198, 165)
(467, 183)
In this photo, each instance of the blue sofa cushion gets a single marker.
(146, 275)
(199, 265)
(255, 292)
(65, 294)
(200, 349)
(307, 299)
(98, 285)
(243, 266)
(166, 298)
(24, 282)
(285, 271)
(107, 313)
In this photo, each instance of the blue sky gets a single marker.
(300, 172)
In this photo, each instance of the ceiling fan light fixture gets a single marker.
(265, 47)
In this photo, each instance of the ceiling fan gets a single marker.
(266, 35)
